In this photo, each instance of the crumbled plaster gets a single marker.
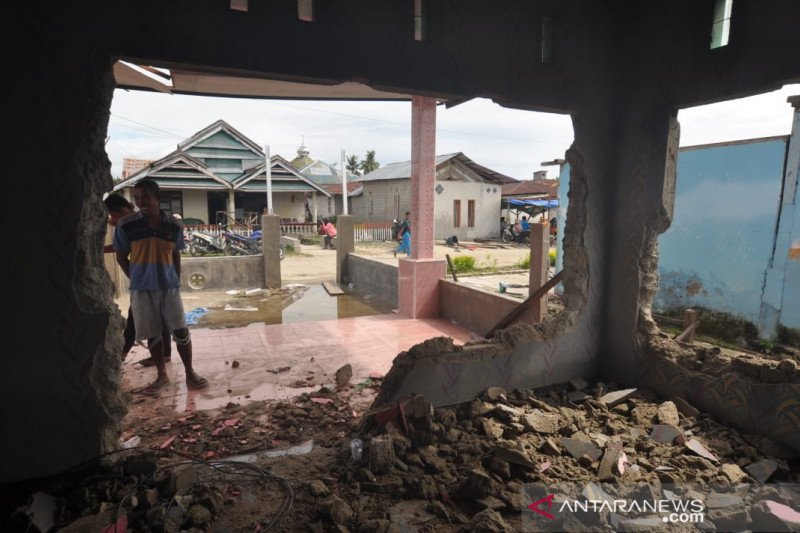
(92, 286)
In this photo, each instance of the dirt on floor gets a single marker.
(473, 466)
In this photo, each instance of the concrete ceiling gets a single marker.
(186, 81)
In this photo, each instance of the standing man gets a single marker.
(148, 245)
(404, 236)
(119, 207)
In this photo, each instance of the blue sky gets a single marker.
(150, 125)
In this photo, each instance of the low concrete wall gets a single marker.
(373, 277)
(223, 273)
(470, 307)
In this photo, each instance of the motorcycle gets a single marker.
(510, 235)
(256, 237)
(241, 245)
(201, 243)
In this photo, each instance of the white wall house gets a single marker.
(466, 197)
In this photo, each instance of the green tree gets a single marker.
(369, 163)
(352, 165)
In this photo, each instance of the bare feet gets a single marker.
(148, 361)
(195, 382)
(154, 388)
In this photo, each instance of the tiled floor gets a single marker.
(312, 350)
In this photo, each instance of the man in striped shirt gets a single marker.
(148, 245)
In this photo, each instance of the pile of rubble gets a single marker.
(404, 467)
(465, 466)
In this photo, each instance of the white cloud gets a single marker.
(150, 125)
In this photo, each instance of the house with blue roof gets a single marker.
(218, 174)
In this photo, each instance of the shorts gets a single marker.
(151, 309)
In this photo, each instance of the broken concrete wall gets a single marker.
(373, 277)
(60, 397)
(645, 178)
(716, 253)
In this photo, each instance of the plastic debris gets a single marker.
(132, 442)
(229, 307)
(194, 315)
(300, 449)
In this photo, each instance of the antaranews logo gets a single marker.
(548, 500)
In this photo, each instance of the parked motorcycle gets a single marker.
(241, 245)
(201, 243)
(256, 236)
(510, 235)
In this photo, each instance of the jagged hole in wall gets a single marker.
(721, 262)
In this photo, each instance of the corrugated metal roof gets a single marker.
(402, 170)
(282, 186)
(187, 183)
(536, 187)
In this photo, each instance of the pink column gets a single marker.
(418, 277)
(423, 173)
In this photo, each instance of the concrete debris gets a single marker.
(319, 489)
(491, 428)
(613, 398)
(541, 422)
(762, 470)
(578, 396)
(433, 469)
(477, 485)
(579, 449)
(343, 375)
(668, 414)
(336, 509)
(489, 521)
(697, 447)
(665, 434)
(733, 472)
(410, 514)
(609, 464)
(717, 500)
(685, 407)
(549, 447)
(513, 456)
(495, 394)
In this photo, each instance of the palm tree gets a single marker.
(369, 163)
(351, 164)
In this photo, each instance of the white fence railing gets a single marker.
(372, 232)
(363, 231)
(216, 231)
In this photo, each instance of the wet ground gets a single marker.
(290, 306)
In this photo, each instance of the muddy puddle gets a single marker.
(300, 304)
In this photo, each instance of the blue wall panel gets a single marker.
(720, 244)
